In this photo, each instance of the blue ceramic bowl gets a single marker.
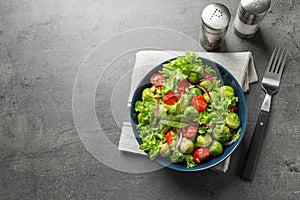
(228, 79)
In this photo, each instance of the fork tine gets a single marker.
(270, 64)
(275, 61)
(282, 62)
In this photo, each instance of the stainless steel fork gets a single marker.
(270, 84)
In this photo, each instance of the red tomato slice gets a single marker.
(208, 76)
(199, 102)
(201, 154)
(169, 138)
(157, 79)
(189, 131)
(170, 98)
(183, 86)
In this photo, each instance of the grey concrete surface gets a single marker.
(42, 45)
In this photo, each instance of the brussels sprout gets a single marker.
(193, 78)
(222, 133)
(204, 140)
(207, 84)
(195, 91)
(232, 120)
(227, 92)
(147, 94)
(186, 146)
(216, 148)
(191, 112)
(164, 150)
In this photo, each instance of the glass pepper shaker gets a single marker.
(215, 21)
(250, 13)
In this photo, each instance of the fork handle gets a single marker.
(255, 146)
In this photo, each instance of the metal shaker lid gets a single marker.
(215, 18)
(253, 11)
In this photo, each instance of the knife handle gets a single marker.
(255, 146)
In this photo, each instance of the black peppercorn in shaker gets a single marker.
(215, 21)
(250, 13)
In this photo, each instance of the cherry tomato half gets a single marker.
(199, 102)
(189, 131)
(157, 79)
(169, 138)
(201, 154)
(171, 98)
(183, 86)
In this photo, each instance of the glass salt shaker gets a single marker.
(215, 21)
(250, 13)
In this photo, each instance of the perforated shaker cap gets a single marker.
(253, 11)
(215, 18)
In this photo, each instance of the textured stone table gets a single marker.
(42, 46)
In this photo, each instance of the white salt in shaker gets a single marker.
(250, 13)
(215, 21)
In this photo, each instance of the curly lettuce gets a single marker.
(179, 69)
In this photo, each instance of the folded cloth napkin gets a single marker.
(240, 64)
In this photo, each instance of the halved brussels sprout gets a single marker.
(193, 78)
(232, 120)
(216, 148)
(204, 140)
(222, 133)
(186, 146)
(191, 112)
(164, 150)
(227, 92)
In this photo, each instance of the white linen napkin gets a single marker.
(240, 64)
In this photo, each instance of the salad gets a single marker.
(187, 115)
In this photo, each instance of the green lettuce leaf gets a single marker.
(176, 121)
(179, 69)
(151, 139)
(189, 161)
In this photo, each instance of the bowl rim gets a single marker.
(220, 158)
